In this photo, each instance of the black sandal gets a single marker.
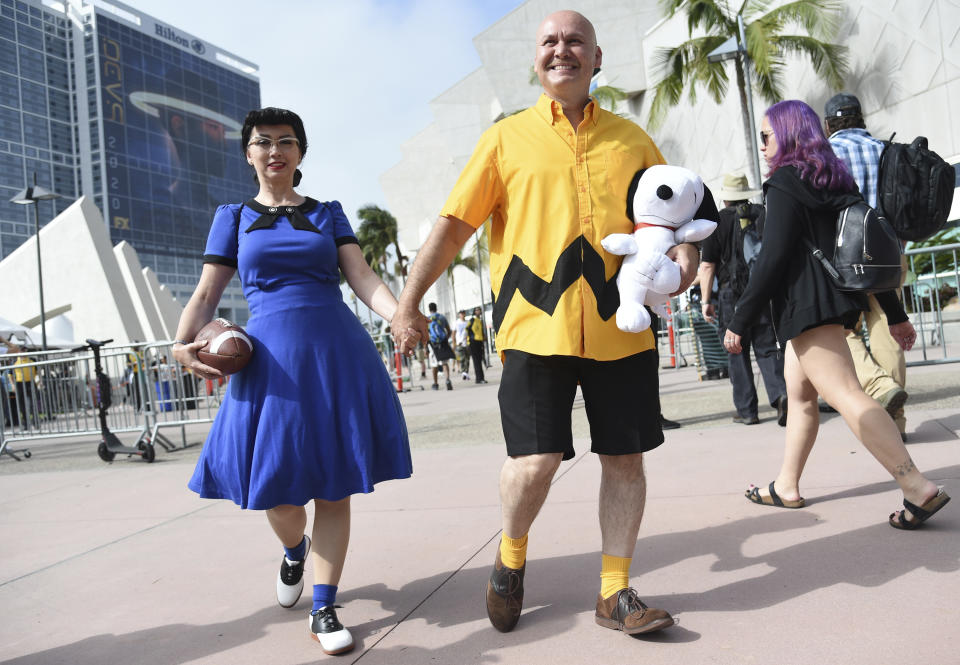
(774, 499)
(920, 513)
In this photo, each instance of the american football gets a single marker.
(228, 350)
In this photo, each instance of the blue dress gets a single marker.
(314, 414)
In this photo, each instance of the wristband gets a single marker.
(180, 341)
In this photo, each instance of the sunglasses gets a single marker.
(765, 138)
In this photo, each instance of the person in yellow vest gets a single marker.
(24, 375)
(554, 180)
(475, 335)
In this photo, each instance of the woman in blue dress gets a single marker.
(313, 416)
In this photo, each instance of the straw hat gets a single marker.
(735, 188)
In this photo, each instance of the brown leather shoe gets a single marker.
(505, 595)
(626, 612)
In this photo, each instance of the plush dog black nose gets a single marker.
(664, 192)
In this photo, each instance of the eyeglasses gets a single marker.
(765, 138)
(265, 144)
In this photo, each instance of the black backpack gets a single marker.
(866, 253)
(915, 188)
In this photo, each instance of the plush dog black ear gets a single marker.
(708, 207)
(631, 191)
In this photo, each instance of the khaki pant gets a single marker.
(882, 368)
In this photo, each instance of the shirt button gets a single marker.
(583, 189)
(272, 210)
(289, 211)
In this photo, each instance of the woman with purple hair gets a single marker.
(807, 187)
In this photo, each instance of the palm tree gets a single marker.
(468, 262)
(686, 65)
(377, 232)
(607, 96)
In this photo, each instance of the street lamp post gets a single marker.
(728, 51)
(26, 197)
(483, 310)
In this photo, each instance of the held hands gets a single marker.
(186, 355)
(408, 328)
(904, 334)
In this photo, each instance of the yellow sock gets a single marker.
(614, 574)
(513, 551)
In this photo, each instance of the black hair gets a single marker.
(432, 307)
(274, 116)
(836, 123)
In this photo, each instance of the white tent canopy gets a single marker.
(8, 327)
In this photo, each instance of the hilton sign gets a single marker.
(171, 35)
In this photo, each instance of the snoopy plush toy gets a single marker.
(666, 200)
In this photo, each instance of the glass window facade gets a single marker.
(163, 125)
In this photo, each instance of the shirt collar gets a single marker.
(851, 130)
(551, 111)
(269, 215)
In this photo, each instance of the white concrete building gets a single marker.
(904, 67)
(90, 289)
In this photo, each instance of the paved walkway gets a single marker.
(119, 563)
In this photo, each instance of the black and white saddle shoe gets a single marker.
(290, 579)
(329, 632)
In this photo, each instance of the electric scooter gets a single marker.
(109, 443)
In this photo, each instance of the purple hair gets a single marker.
(802, 143)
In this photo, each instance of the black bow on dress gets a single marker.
(296, 215)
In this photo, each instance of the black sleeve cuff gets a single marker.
(346, 240)
(221, 260)
(892, 307)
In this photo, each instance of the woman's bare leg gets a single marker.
(825, 358)
(288, 522)
(331, 535)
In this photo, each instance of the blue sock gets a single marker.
(324, 595)
(297, 553)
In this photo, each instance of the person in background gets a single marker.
(462, 341)
(729, 253)
(476, 340)
(440, 334)
(808, 186)
(881, 369)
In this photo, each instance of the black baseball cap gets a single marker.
(842, 105)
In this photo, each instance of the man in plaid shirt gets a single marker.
(881, 369)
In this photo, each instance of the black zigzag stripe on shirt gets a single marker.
(579, 258)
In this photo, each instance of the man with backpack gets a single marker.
(440, 333)
(729, 253)
(881, 370)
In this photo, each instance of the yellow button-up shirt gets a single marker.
(552, 194)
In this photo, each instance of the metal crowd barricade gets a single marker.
(675, 338)
(923, 297)
(174, 396)
(400, 368)
(51, 395)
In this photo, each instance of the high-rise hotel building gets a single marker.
(99, 99)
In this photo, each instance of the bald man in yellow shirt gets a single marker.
(553, 180)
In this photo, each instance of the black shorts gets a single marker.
(621, 398)
(441, 350)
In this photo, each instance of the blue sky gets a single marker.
(360, 73)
